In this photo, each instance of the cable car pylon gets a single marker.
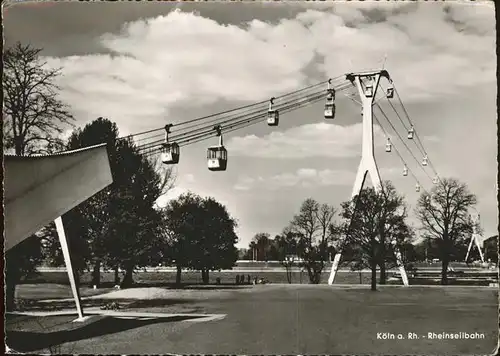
(474, 239)
(367, 84)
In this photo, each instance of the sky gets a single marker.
(143, 65)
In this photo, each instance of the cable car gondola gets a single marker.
(273, 116)
(411, 131)
(390, 91)
(170, 152)
(369, 89)
(405, 171)
(330, 105)
(217, 155)
(435, 180)
(425, 161)
(388, 145)
(417, 187)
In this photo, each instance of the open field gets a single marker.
(270, 319)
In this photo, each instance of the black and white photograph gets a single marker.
(250, 177)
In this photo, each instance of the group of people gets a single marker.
(240, 279)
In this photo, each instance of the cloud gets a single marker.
(303, 177)
(189, 178)
(311, 140)
(172, 194)
(183, 59)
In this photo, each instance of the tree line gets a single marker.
(373, 232)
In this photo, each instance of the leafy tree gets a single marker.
(491, 249)
(312, 227)
(21, 262)
(375, 227)
(215, 249)
(134, 235)
(118, 226)
(202, 235)
(262, 244)
(33, 115)
(444, 217)
(182, 228)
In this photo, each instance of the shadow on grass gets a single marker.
(151, 303)
(189, 286)
(31, 305)
(28, 341)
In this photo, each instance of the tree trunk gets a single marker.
(96, 275)
(117, 276)
(444, 272)
(128, 279)
(289, 274)
(178, 275)
(374, 276)
(383, 273)
(310, 274)
(12, 278)
(205, 276)
(445, 257)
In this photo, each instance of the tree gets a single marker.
(444, 216)
(118, 226)
(202, 234)
(33, 118)
(392, 226)
(312, 227)
(262, 244)
(21, 262)
(286, 247)
(375, 227)
(491, 249)
(33, 115)
(181, 227)
(216, 247)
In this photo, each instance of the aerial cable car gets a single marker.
(390, 90)
(217, 155)
(369, 88)
(170, 152)
(388, 145)
(425, 161)
(435, 180)
(417, 187)
(330, 105)
(273, 116)
(405, 171)
(411, 131)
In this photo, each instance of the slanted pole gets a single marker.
(69, 267)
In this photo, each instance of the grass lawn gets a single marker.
(166, 278)
(287, 319)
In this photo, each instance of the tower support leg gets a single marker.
(69, 267)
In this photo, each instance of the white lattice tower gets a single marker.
(367, 165)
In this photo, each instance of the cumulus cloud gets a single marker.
(183, 59)
(303, 177)
(311, 140)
